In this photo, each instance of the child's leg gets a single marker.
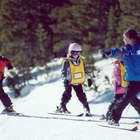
(66, 96)
(132, 90)
(4, 97)
(135, 102)
(111, 106)
(81, 96)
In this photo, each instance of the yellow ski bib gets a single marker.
(123, 81)
(77, 72)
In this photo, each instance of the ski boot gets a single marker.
(61, 109)
(86, 113)
(9, 110)
(113, 122)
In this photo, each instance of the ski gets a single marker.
(135, 128)
(62, 114)
(73, 115)
(100, 122)
(50, 116)
(87, 118)
(11, 114)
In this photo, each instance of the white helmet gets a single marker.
(74, 47)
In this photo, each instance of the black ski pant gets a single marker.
(128, 97)
(135, 102)
(111, 106)
(79, 92)
(4, 97)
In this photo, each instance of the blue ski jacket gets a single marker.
(130, 55)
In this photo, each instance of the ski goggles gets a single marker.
(75, 52)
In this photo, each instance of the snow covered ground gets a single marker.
(43, 95)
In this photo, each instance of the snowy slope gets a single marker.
(43, 96)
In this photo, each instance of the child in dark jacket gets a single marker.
(4, 62)
(74, 74)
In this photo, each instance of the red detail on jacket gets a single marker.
(3, 64)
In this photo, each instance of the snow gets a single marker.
(44, 94)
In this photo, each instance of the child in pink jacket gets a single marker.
(118, 89)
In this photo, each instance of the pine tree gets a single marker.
(113, 22)
(18, 38)
(130, 17)
(81, 21)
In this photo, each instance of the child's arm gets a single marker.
(117, 53)
(64, 72)
(87, 76)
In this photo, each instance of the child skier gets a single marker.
(4, 62)
(119, 84)
(74, 74)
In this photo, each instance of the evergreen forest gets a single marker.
(33, 32)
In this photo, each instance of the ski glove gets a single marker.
(9, 66)
(89, 82)
(106, 52)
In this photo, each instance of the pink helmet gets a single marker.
(74, 47)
